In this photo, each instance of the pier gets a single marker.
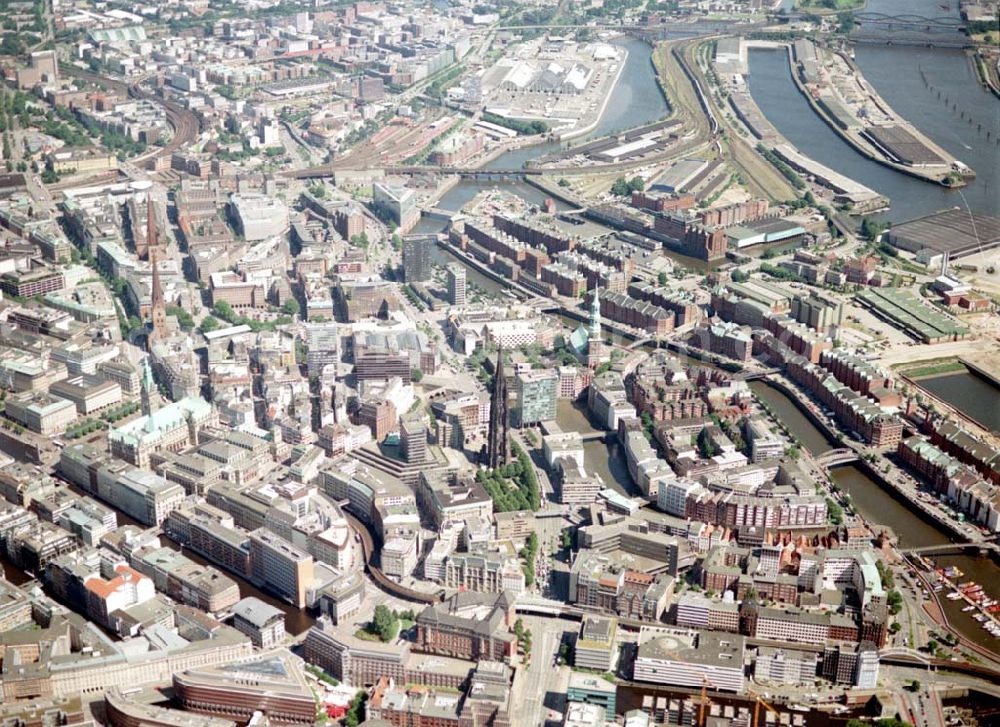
(891, 146)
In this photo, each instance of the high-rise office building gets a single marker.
(396, 204)
(456, 284)
(280, 566)
(413, 439)
(535, 395)
(322, 347)
(417, 257)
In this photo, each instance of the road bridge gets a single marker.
(491, 175)
(836, 457)
(919, 40)
(640, 342)
(758, 374)
(908, 657)
(597, 436)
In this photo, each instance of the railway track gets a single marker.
(383, 581)
(182, 121)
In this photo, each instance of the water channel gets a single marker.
(635, 100)
(606, 459)
(881, 506)
(296, 619)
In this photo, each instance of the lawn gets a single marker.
(932, 367)
(830, 5)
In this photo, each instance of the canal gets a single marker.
(909, 79)
(785, 409)
(606, 459)
(296, 620)
(635, 100)
(881, 506)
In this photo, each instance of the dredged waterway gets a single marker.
(970, 393)
(635, 100)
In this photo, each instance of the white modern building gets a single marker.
(258, 216)
(688, 658)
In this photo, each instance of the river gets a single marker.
(908, 78)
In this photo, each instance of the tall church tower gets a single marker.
(157, 308)
(595, 345)
(151, 241)
(499, 432)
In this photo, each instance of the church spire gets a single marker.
(157, 307)
(150, 225)
(499, 429)
(148, 389)
(595, 316)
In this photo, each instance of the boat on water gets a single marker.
(953, 572)
(967, 584)
(953, 596)
(968, 608)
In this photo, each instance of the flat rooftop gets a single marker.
(955, 231)
(904, 146)
(703, 647)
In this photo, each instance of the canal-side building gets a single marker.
(961, 483)
(262, 622)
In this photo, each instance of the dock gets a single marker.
(984, 367)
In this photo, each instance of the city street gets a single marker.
(542, 686)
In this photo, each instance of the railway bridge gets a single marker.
(945, 548)
(909, 22)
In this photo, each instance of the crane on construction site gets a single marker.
(758, 701)
(705, 684)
